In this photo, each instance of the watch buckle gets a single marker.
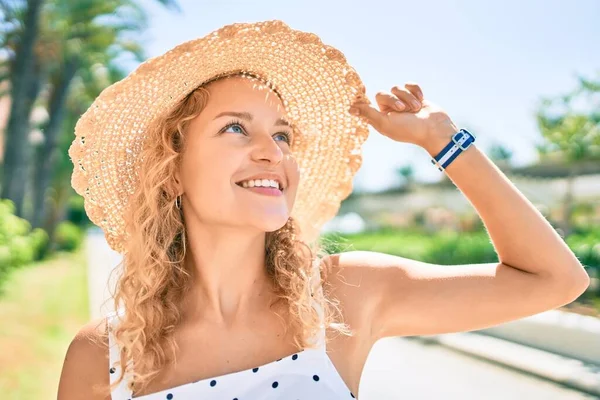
(458, 144)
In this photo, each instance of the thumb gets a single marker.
(373, 115)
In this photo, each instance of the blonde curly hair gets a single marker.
(154, 279)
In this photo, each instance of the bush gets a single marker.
(68, 236)
(404, 243)
(21, 251)
(444, 247)
(76, 211)
(586, 246)
(38, 240)
(19, 244)
(461, 248)
(450, 247)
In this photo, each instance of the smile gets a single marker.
(266, 191)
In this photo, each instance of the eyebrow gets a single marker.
(249, 117)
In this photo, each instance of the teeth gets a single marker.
(262, 183)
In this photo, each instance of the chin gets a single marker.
(273, 225)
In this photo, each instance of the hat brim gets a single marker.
(314, 81)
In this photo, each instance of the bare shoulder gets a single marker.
(85, 367)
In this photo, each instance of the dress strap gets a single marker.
(122, 391)
(316, 290)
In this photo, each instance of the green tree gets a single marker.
(570, 126)
(78, 37)
(20, 30)
(80, 40)
(84, 89)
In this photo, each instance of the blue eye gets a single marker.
(239, 128)
(286, 137)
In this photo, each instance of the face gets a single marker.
(241, 134)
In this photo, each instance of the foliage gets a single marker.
(461, 248)
(571, 131)
(76, 211)
(79, 51)
(586, 246)
(570, 126)
(449, 247)
(68, 236)
(19, 244)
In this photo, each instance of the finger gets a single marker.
(407, 97)
(415, 89)
(389, 102)
(373, 115)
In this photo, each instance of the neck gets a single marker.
(230, 277)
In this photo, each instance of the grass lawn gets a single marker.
(407, 244)
(42, 306)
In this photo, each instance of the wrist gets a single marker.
(439, 138)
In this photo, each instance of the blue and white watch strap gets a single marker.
(461, 141)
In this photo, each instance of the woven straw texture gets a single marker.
(313, 80)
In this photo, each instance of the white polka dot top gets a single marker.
(308, 374)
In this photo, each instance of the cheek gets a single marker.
(292, 171)
(204, 173)
(208, 189)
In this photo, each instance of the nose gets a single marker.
(266, 149)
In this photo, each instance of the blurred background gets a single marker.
(524, 77)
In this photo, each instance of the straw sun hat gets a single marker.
(314, 81)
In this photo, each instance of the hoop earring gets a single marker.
(178, 202)
(183, 240)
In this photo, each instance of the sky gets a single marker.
(486, 63)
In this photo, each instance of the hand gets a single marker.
(413, 120)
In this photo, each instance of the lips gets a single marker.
(259, 187)
(265, 191)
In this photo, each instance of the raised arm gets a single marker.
(536, 269)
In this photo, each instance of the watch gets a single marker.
(461, 141)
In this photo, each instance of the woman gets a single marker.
(212, 169)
